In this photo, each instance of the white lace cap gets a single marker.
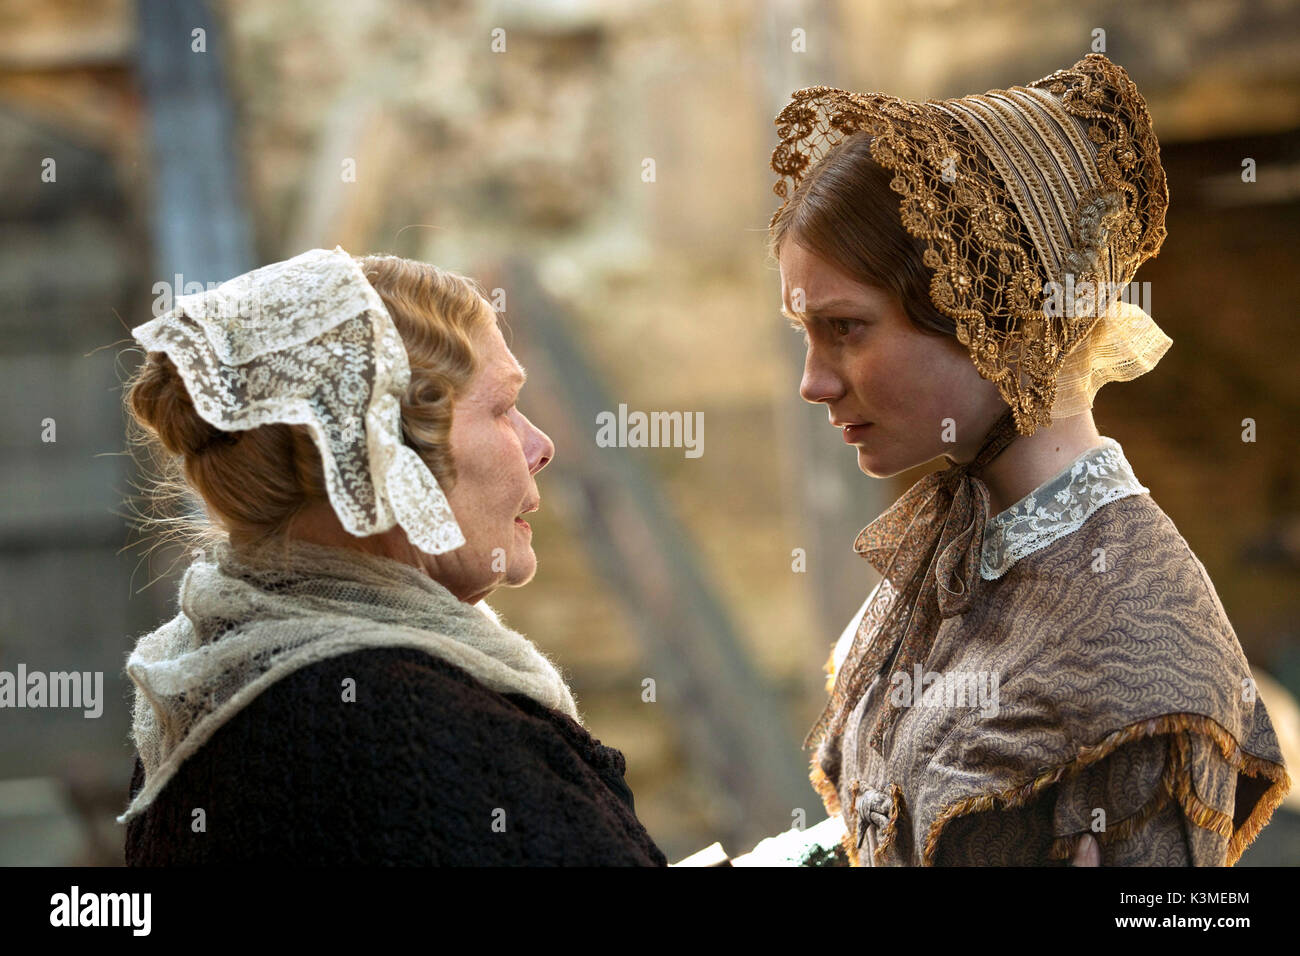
(308, 341)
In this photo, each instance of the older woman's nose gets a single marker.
(539, 449)
(820, 383)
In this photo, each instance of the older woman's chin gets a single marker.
(521, 569)
(510, 569)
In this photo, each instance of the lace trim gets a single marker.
(1008, 189)
(1058, 507)
(308, 341)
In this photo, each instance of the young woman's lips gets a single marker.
(853, 433)
(524, 524)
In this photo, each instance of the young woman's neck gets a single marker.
(1031, 460)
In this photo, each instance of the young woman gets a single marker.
(1045, 673)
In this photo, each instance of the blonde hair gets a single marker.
(253, 483)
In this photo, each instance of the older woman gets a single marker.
(333, 689)
(1045, 672)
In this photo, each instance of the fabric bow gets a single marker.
(927, 548)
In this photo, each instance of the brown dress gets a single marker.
(1094, 685)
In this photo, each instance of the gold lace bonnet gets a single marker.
(1057, 181)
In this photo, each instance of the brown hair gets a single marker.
(845, 211)
(255, 482)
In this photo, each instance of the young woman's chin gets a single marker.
(877, 459)
(874, 465)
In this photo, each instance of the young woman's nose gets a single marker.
(820, 383)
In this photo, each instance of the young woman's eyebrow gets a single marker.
(827, 311)
(816, 309)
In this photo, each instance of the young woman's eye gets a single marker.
(842, 326)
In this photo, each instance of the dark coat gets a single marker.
(416, 771)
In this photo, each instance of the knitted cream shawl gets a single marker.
(244, 625)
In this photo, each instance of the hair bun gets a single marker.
(162, 404)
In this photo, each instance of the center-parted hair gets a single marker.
(845, 212)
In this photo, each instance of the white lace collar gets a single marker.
(1057, 507)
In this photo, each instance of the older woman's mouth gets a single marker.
(520, 521)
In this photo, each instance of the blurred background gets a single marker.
(604, 163)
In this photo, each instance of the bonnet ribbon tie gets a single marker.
(927, 547)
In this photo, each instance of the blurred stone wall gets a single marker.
(481, 130)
